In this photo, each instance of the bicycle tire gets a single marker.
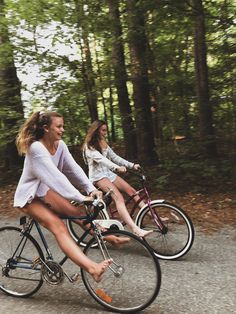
(76, 231)
(138, 283)
(178, 238)
(19, 274)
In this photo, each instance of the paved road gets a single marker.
(204, 282)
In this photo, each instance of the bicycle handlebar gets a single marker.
(139, 173)
(98, 204)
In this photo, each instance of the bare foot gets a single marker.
(117, 241)
(141, 233)
(97, 271)
(100, 227)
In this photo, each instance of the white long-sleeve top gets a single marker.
(102, 165)
(43, 171)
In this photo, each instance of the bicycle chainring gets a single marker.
(52, 273)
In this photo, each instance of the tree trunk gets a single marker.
(10, 96)
(139, 76)
(87, 68)
(111, 111)
(100, 86)
(202, 85)
(118, 63)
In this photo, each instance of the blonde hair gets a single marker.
(33, 129)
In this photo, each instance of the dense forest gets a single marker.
(161, 73)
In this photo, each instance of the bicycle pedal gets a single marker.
(36, 261)
(75, 278)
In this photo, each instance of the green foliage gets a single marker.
(8, 133)
(197, 174)
(65, 76)
(162, 181)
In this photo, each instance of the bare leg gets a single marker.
(73, 210)
(61, 205)
(106, 184)
(47, 218)
(125, 187)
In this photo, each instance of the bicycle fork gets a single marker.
(157, 219)
(115, 268)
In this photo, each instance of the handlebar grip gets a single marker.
(98, 205)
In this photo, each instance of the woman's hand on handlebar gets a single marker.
(136, 167)
(121, 169)
(88, 199)
(96, 194)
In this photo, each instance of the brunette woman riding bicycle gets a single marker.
(102, 162)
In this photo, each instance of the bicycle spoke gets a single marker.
(20, 275)
(131, 282)
(175, 238)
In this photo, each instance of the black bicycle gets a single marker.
(130, 284)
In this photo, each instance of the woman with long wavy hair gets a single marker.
(102, 163)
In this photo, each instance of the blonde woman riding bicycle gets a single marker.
(50, 180)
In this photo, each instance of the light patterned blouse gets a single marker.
(102, 165)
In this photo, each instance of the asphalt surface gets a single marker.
(203, 282)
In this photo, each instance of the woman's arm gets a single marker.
(118, 160)
(96, 156)
(74, 172)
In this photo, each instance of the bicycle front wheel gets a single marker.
(132, 281)
(20, 270)
(178, 235)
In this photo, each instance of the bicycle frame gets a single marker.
(27, 227)
(143, 196)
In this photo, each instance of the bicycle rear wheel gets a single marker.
(132, 281)
(20, 273)
(177, 238)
